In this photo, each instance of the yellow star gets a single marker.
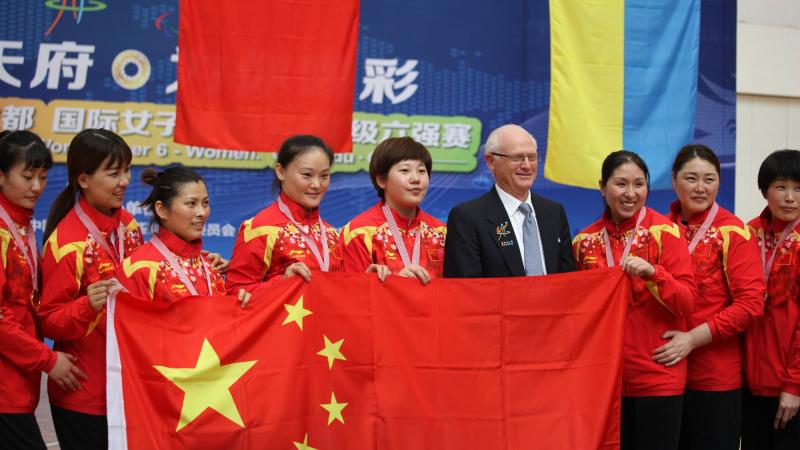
(295, 313)
(331, 351)
(207, 385)
(334, 409)
(304, 445)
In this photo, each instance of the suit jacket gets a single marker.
(481, 242)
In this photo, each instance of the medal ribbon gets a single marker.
(398, 239)
(767, 264)
(701, 232)
(31, 251)
(609, 254)
(87, 222)
(172, 260)
(324, 259)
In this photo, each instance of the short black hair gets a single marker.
(780, 164)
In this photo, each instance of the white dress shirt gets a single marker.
(511, 205)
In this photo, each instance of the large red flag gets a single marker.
(346, 362)
(252, 73)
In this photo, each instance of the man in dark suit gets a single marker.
(509, 231)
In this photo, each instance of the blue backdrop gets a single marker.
(488, 62)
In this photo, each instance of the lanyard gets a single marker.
(324, 259)
(87, 222)
(767, 265)
(609, 255)
(172, 260)
(31, 251)
(701, 232)
(398, 239)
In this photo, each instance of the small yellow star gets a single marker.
(304, 445)
(331, 351)
(207, 385)
(296, 313)
(334, 409)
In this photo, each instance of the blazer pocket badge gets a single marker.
(503, 233)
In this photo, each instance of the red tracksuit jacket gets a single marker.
(367, 240)
(148, 276)
(659, 303)
(730, 296)
(269, 243)
(772, 356)
(23, 355)
(71, 261)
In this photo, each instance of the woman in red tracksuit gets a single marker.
(649, 248)
(88, 234)
(730, 286)
(772, 345)
(289, 237)
(171, 265)
(396, 236)
(24, 163)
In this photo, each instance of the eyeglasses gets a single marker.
(519, 159)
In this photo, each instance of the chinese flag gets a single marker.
(348, 362)
(253, 73)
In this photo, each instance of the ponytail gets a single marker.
(89, 150)
(59, 209)
(166, 185)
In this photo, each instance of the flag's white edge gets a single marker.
(117, 436)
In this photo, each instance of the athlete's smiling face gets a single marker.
(105, 188)
(306, 178)
(187, 212)
(625, 191)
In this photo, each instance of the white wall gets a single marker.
(768, 91)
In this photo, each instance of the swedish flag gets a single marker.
(623, 75)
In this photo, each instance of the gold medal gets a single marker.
(36, 300)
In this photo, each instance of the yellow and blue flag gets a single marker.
(623, 75)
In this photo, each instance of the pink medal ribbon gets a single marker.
(324, 259)
(701, 232)
(767, 265)
(627, 249)
(31, 251)
(398, 239)
(87, 222)
(172, 260)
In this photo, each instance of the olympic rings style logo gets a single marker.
(61, 6)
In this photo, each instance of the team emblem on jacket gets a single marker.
(503, 232)
(297, 253)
